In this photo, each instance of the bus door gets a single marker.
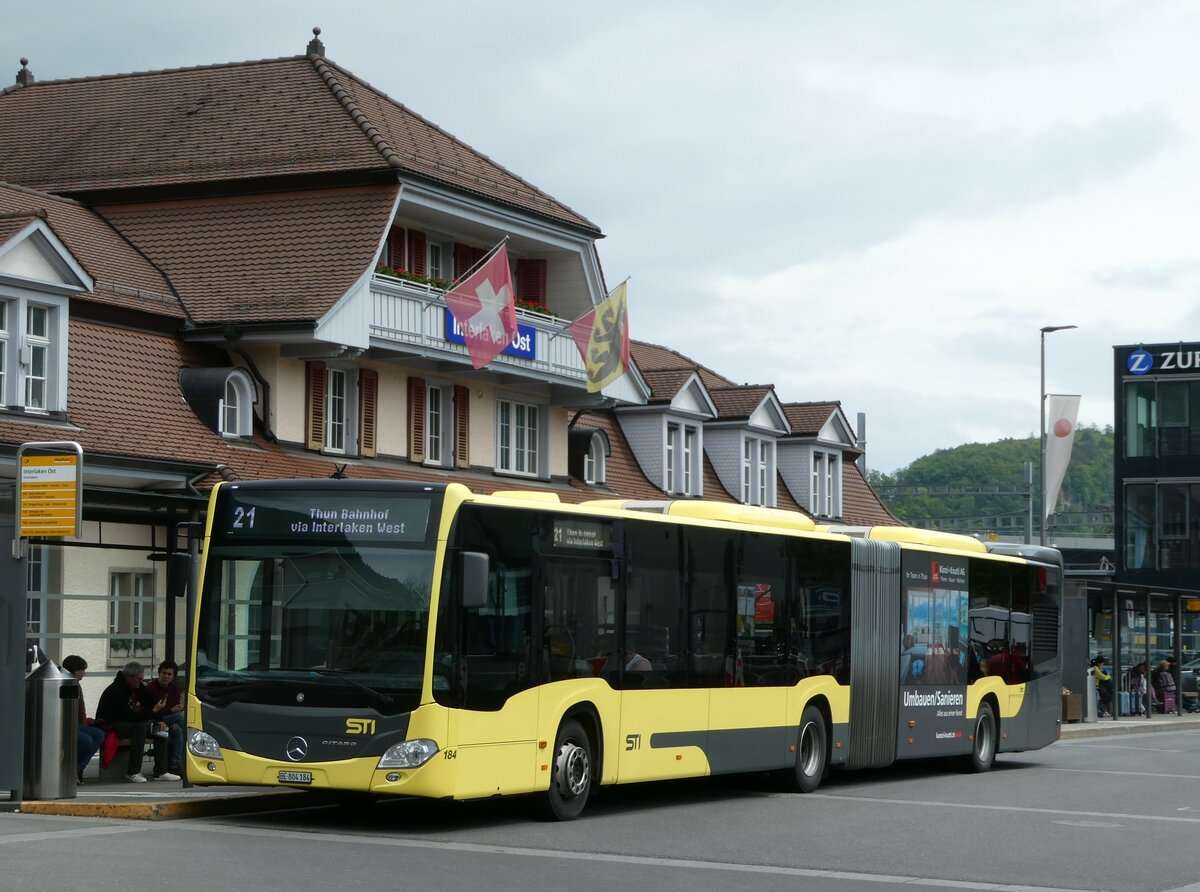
(493, 733)
(664, 699)
(748, 728)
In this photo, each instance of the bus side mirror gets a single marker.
(179, 569)
(475, 571)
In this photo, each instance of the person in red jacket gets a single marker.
(127, 707)
(169, 716)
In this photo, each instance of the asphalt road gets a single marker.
(1115, 813)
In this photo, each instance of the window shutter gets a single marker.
(531, 281)
(315, 403)
(416, 419)
(462, 426)
(395, 248)
(466, 257)
(368, 401)
(416, 252)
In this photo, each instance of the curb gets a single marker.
(1132, 726)
(171, 809)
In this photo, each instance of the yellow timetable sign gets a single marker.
(49, 495)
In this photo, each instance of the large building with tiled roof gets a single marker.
(238, 272)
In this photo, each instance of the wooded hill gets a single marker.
(1087, 489)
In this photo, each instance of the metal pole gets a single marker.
(1042, 444)
(1028, 503)
(1045, 509)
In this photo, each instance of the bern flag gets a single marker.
(1060, 437)
(602, 336)
(482, 305)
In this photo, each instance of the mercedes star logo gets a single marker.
(297, 748)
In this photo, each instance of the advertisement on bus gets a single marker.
(933, 656)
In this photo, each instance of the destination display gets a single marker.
(299, 516)
(574, 533)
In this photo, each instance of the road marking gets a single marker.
(688, 864)
(1128, 773)
(1087, 824)
(1194, 887)
(57, 835)
(976, 806)
(1120, 746)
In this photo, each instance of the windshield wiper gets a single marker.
(332, 673)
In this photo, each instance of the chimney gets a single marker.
(862, 442)
(315, 47)
(24, 76)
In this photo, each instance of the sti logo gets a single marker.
(935, 572)
(1139, 362)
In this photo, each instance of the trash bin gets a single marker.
(51, 715)
(1090, 696)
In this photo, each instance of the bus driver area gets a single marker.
(470, 646)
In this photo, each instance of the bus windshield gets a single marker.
(332, 618)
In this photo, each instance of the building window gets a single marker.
(433, 425)
(689, 456)
(682, 471)
(593, 461)
(517, 432)
(33, 343)
(672, 444)
(37, 605)
(335, 411)
(130, 615)
(439, 260)
(37, 342)
(757, 471)
(825, 500)
(237, 406)
(1162, 418)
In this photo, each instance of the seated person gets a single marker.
(127, 708)
(87, 736)
(168, 712)
(634, 661)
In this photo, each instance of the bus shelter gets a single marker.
(1128, 625)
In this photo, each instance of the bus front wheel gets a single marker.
(812, 751)
(571, 773)
(983, 747)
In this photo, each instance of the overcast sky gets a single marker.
(874, 202)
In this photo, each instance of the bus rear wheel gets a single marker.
(571, 773)
(983, 747)
(812, 753)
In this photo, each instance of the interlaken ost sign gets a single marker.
(50, 489)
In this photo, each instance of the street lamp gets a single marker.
(1046, 329)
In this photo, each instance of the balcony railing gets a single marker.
(408, 314)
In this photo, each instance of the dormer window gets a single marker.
(682, 460)
(593, 461)
(32, 370)
(758, 471)
(237, 406)
(223, 398)
(825, 499)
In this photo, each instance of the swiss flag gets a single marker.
(482, 305)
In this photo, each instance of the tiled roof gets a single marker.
(807, 419)
(738, 401)
(278, 257)
(861, 506)
(664, 384)
(123, 277)
(277, 117)
(653, 357)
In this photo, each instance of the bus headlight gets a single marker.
(410, 754)
(203, 745)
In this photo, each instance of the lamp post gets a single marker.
(1046, 329)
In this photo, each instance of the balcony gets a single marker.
(412, 317)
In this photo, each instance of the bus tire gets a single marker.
(812, 751)
(983, 744)
(571, 774)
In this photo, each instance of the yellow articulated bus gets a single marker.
(410, 639)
